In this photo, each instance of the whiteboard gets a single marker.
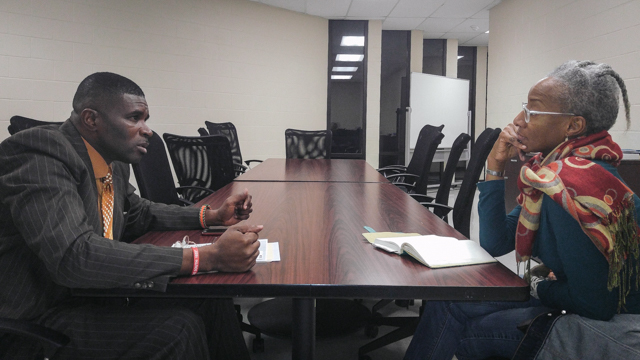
(437, 100)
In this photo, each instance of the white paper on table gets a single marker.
(268, 251)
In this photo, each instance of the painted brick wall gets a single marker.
(530, 38)
(260, 67)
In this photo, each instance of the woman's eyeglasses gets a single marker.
(528, 113)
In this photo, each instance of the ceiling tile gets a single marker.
(368, 8)
(482, 14)
(328, 8)
(482, 24)
(294, 5)
(392, 23)
(461, 8)
(480, 40)
(461, 36)
(444, 18)
(439, 24)
(432, 35)
(415, 8)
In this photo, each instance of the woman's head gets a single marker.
(590, 90)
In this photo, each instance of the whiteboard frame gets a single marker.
(437, 100)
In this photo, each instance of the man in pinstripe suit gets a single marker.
(52, 239)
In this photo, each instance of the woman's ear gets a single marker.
(577, 126)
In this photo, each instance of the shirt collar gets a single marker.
(100, 166)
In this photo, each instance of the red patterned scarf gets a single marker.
(601, 203)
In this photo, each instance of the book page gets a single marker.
(439, 251)
(372, 236)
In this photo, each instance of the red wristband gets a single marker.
(196, 260)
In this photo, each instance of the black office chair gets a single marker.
(442, 196)
(419, 153)
(203, 161)
(464, 201)
(155, 181)
(49, 339)
(308, 144)
(18, 123)
(416, 183)
(406, 326)
(229, 130)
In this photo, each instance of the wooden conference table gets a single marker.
(320, 170)
(319, 226)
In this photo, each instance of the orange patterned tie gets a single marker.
(107, 205)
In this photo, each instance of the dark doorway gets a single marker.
(346, 108)
(394, 95)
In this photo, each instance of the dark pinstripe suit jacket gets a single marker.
(50, 228)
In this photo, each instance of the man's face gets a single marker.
(122, 130)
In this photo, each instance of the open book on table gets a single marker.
(436, 251)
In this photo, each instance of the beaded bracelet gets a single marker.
(196, 260)
(203, 210)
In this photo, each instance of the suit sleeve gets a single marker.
(144, 216)
(40, 183)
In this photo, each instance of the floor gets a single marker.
(346, 347)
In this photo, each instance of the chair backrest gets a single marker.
(423, 148)
(203, 161)
(18, 123)
(153, 174)
(442, 196)
(308, 144)
(429, 140)
(229, 130)
(464, 201)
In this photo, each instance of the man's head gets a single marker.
(110, 112)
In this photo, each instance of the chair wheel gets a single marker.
(258, 345)
(371, 331)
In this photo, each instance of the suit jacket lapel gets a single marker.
(91, 204)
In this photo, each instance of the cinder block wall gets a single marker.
(530, 38)
(260, 67)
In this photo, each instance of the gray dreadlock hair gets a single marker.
(591, 91)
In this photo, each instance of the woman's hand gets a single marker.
(506, 147)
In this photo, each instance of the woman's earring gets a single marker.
(566, 138)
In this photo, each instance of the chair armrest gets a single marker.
(436, 205)
(403, 179)
(404, 175)
(393, 167)
(50, 339)
(248, 162)
(239, 169)
(182, 189)
(422, 198)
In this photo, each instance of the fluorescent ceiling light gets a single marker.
(349, 57)
(352, 41)
(460, 57)
(341, 77)
(486, 32)
(344, 68)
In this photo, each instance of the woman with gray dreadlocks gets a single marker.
(575, 214)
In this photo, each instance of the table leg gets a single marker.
(303, 335)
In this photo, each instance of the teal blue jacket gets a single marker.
(560, 243)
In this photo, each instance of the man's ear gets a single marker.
(577, 126)
(88, 119)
